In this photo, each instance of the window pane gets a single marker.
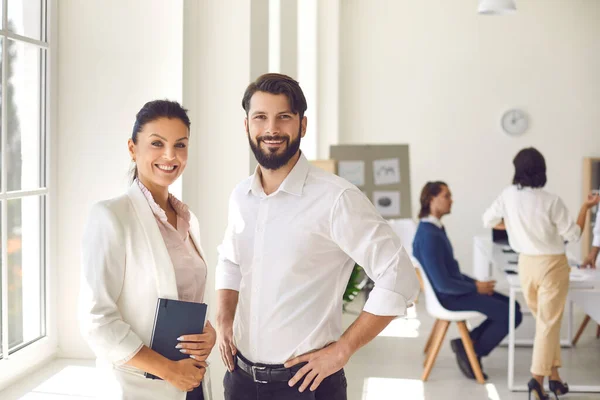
(23, 114)
(25, 17)
(1, 116)
(25, 264)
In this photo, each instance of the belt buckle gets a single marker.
(254, 368)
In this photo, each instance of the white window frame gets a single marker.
(37, 353)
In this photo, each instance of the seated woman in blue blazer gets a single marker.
(138, 247)
(455, 290)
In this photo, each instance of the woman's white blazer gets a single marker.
(125, 268)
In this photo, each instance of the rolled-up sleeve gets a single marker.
(102, 276)
(369, 240)
(228, 274)
(494, 214)
(596, 240)
(565, 225)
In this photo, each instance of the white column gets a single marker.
(283, 33)
(259, 38)
(288, 31)
(260, 50)
(308, 72)
(274, 36)
(328, 57)
(216, 70)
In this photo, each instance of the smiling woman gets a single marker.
(158, 145)
(137, 248)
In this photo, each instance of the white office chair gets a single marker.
(405, 228)
(443, 318)
(582, 328)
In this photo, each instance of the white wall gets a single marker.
(217, 69)
(113, 56)
(437, 76)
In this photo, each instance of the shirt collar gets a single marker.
(255, 186)
(528, 188)
(433, 220)
(292, 184)
(180, 208)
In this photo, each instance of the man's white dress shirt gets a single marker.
(290, 255)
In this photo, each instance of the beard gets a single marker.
(270, 159)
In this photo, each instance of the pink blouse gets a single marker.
(190, 268)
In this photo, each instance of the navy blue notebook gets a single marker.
(175, 318)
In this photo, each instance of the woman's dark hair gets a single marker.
(154, 110)
(429, 191)
(277, 84)
(530, 169)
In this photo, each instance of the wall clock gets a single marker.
(515, 122)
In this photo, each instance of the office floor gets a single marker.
(388, 368)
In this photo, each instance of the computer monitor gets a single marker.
(500, 236)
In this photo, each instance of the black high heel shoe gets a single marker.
(535, 388)
(558, 387)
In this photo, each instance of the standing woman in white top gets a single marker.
(138, 247)
(538, 225)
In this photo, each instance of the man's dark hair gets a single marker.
(429, 191)
(277, 84)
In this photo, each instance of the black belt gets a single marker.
(262, 373)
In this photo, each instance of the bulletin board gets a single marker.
(382, 172)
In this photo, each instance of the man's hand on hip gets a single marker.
(320, 364)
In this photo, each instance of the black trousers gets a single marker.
(195, 394)
(240, 386)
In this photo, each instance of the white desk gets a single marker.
(489, 261)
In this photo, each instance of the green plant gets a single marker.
(353, 287)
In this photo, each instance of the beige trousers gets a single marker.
(545, 283)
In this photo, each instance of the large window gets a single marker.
(23, 173)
